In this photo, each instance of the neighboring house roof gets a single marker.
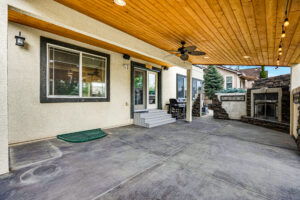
(248, 74)
(252, 73)
(229, 70)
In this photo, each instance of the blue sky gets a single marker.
(271, 70)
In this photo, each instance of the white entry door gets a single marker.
(152, 88)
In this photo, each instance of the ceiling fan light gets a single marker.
(280, 53)
(280, 48)
(286, 22)
(120, 2)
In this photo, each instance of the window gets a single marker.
(197, 84)
(73, 74)
(152, 88)
(182, 86)
(228, 82)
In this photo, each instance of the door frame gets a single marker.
(152, 106)
(141, 107)
(159, 85)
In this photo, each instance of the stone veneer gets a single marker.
(273, 82)
(279, 126)
(197, 107)
(282, 82)
(219, 112)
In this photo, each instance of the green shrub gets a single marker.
(233, 90)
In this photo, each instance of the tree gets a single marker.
(263, 73)
(213, 81)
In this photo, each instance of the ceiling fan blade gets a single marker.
(184, 57)
(190, 48)
(197, 53)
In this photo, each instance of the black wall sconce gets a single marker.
(20, 40)
(126, 57)
(126, 61)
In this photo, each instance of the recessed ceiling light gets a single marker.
(206, 57)
(246, 56)
(120, 2)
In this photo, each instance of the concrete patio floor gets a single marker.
(206, 159)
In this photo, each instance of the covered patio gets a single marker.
(69, 47)
(207, 159)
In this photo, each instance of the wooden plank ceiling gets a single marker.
(227, 30)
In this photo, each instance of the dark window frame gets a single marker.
(185, 77)
(43, 73)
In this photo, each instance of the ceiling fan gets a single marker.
(186, 51)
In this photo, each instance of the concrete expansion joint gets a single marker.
(139, 174)
(56, 155)
(241, 186)
(253, 142)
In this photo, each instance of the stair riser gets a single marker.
(153, 118)
(160, 124)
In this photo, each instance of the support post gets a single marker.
(189, 100)
(3, 89)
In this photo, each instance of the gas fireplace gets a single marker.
(266, 106)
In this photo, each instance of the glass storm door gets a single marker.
(152, 90)
(139, 90)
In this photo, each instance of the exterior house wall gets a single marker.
(29, 119)
(235, 79)
(295, 87)
(169, 81)
(3, 91)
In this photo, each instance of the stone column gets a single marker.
(189, 99)
(3, 89)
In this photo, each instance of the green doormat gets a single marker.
(82, 136)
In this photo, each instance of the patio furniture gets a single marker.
(177, 108)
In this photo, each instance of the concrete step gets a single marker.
(152, 118)
(154, 114)
(157, 111)
(160, 123)
(156, 119)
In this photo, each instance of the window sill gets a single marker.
(72, 100)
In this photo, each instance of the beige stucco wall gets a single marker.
(169, 82)
(3, 90)
(234, 109)
(295, 85)
(30, 120)
(235, 80)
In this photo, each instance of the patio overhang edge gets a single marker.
(21, 17)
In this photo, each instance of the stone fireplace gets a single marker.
(268, 103)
